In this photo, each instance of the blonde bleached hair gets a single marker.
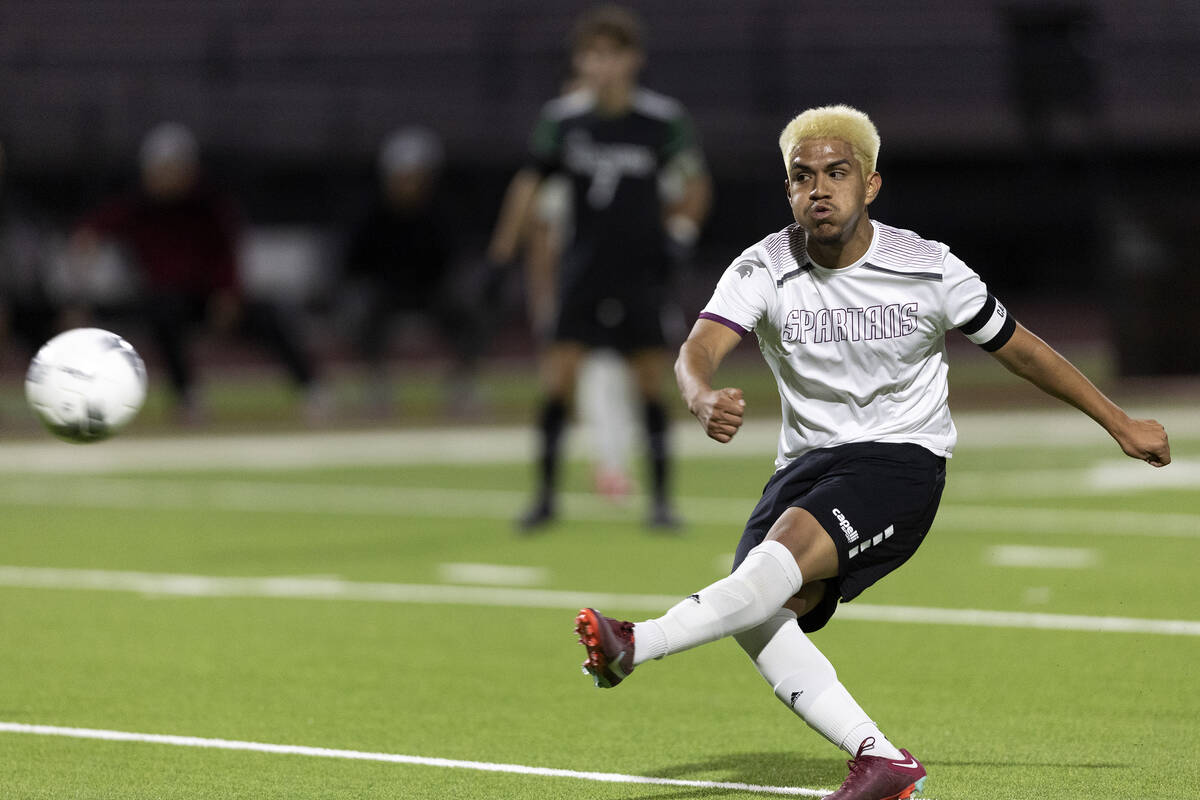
(834, 122)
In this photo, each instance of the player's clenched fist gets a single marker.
(720, 412)
(1145, 439)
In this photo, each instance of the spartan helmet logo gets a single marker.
(744, 270)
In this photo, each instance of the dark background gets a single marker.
(1054, 146)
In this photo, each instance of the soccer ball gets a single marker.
(86, 384)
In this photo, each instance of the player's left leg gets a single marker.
(804, 680)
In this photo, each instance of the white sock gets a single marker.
(805, 681)
(757, 588)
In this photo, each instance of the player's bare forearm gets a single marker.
(696, 200)
(1029, 357)
(719, 411)
(541, 267)
(514, 213)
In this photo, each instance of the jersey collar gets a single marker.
(866, 256)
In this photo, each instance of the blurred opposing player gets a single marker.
(604, 388)
(616, 141)
(851, 316)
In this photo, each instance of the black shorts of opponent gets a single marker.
(623, 323)
(876, 501)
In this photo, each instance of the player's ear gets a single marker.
(874, 183)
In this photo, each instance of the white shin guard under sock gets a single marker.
(805, 681)
(760, 585)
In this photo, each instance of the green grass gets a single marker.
(993, 712)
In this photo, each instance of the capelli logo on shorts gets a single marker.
(847, 528)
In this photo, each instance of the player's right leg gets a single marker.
(796, 549)
(559, 368)
(766, 578)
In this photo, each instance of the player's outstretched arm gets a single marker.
(719, 410)
(1032, 359)
(514, 216)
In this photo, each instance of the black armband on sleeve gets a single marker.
(992, 327)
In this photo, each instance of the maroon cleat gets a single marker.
(878, 778)
(609, 644)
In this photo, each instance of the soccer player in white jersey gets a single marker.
(851, 317)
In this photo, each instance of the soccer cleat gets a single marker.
(878, 778)
(609, 644)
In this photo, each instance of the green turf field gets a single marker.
(370, 605)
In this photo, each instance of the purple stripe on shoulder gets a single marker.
(733, 326)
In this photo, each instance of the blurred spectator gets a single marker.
(26, 312)
(182, 233)
(400, 262)
(618, 143)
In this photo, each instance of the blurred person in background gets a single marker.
(182, 235)
(604, 388)
(27, 313)
(616, 141)
(399, 261)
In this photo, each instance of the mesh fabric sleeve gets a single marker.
(545, 145)
(742, 296)
(681, 153)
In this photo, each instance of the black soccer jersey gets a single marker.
(615, 164)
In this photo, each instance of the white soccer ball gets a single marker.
(86, 384)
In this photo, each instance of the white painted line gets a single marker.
(493, 574)
(1012, 555)
(1106, 477)
(979, 618)
(393, 758)
(1128, 475)
(337, 589)
(1067, 521)
(499, 504)
(512, 444)
(323, 449)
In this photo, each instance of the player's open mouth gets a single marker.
(821, 212)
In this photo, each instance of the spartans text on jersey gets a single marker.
(850, 324)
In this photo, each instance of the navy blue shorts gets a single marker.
(876, 501)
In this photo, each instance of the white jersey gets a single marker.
(858, 353)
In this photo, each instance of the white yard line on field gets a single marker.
(325, 588)
(501, 504)
(392, 758)
(479, 445)
(1025, 556)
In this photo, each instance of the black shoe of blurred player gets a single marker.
(538, 517)
(663, 518)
